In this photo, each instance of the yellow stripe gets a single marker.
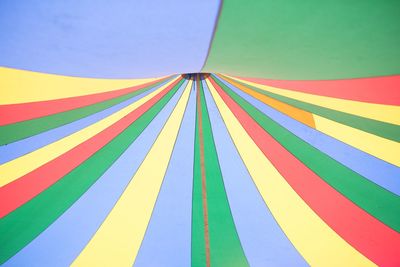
(20, 86)
(117, 241)
(18, 167)
(313, 238)
(379, 147)
(385, 113)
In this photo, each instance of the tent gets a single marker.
(199, 133)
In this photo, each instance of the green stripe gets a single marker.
(198, 241)
(225, 247)
(380, 203)
(20, 130)
(379, 128)
(307, 40)
(25, 223)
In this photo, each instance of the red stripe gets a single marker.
(13, 113)
(364, 232)
(28, 186)
(380, 90)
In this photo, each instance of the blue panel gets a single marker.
(109, 39)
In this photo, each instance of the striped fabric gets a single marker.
(199, 170)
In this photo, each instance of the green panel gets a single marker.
(225, 247)
(198, 240)
(311, 39)
(21, 226)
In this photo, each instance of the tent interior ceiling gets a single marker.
(199, 133)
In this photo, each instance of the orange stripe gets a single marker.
(296, 113)
(203, 175)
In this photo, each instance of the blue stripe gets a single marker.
(168, 237)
